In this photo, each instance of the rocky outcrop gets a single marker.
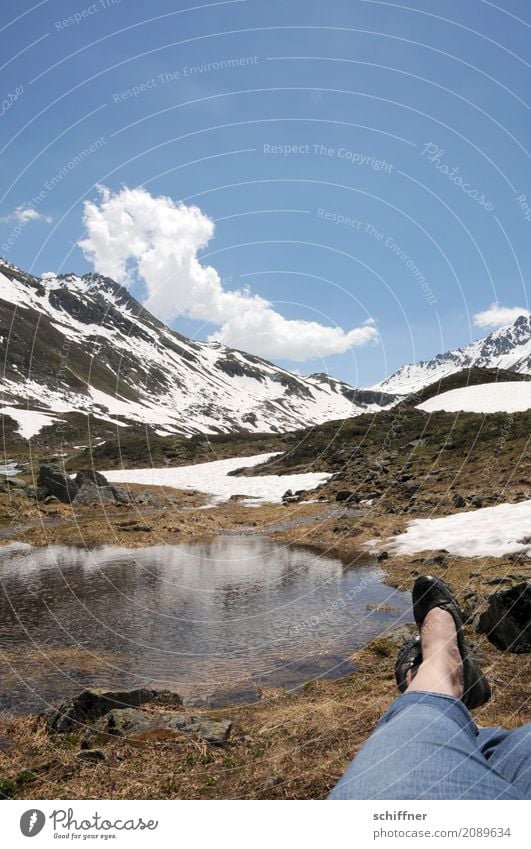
(140, 725)
(88, 493)
(93, 703)
(53, 481)
(91, 476)
(507, 621)
(104, 714)
(88, 487)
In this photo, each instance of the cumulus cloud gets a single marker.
(22, 214)
(498, 316)
(131, 234)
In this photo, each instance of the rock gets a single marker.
(458, 501)
(389, 642)
(88, 493)
(53, 481)
(93, 703)
(477, 502)
(469, 608)
(272, 781)
(51, 499)
(246, 694)
(383, 555)
(91, 476)
(524, 541)
(507, 622)
(137, 724)
(146, 497)
(287, 494)
(345, 495)
(290, 499)
(120, 495)
(92, 755)
(439, 560)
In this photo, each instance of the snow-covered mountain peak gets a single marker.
(83, 344)
(507, 347)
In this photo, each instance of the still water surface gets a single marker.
(234, 614)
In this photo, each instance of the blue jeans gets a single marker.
(427, 747)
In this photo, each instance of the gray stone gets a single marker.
(92, 755)
(146, 497)
(120, 495)
(91, 476)
(88, 493)
(132, 723)
(458, 501)
(507, 621)
(347, 495)
(53, 481)
(93, 703)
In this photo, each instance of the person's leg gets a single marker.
(509, 753)
(425, 747)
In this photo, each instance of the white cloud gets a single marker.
(132, 233)
(498, 316)
(23, 214)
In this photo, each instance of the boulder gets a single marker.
(88, 493)
(347, 495)
(137, 724)
(93, 703)
(458, 501)
(147, 497)
(91, 476)
(507, 621)
(53, 481)
(120, 495)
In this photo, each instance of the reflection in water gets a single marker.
(194, 618)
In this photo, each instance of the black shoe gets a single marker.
(430, 592)
(409, 658)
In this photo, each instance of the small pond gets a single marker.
(215, 621)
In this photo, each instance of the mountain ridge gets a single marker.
(508, 347)
(83, 345)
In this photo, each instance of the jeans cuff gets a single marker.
(451, 707)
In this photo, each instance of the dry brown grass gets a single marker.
(286, 745)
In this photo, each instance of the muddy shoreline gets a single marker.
(285, 745)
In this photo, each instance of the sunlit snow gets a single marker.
(30, 422)
(509, 397)
(213, 478)
(489, 532)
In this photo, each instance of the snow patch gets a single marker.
(30, 422)
(509, 397)
(489, 532)
(213, 478)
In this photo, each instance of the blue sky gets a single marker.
(364, 164)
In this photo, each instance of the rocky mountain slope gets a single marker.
(74, 346)
(506, 348)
